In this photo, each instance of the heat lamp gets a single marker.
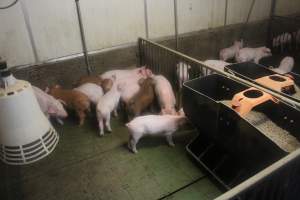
(26, 135)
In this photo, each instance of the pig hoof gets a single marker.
(134, 151)
(101, 134)
(172, 145)
(109, 130)
(129, 146)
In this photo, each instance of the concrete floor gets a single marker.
(85, 166)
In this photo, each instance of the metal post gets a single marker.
(248, 18)
(146, 19)
(29, 30)
(226, 9)
(85, 52)
(176, 24)
(272, 11)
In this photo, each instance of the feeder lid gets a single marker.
(3, 65)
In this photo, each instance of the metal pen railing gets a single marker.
(165, 61)
(278, 27)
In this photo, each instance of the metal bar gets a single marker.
(176, 24)
(231, 76)
(248, 17)
(271, 17)
(146, 19)
(226, 10)
(259, 176)
(82, 36)
(29, 30)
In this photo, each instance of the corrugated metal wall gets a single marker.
(55, 31)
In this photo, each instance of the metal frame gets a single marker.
(176, 25)
(82, 36)
(153, 56)
(150, 52)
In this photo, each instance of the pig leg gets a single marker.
(115, 112)
(101, 127)
(170, 139)
(107, 123)
(81, 115)
(134, 139)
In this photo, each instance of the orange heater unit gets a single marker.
(278, 83)
(243, 102)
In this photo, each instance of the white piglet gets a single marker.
(50, 106)
(164, 125)
(286, 65)
(92, 91)
(252, 54)
(165, 94)
(216, 64)
(122, 74)
(228, 53)
(182, 71)
(108, 103)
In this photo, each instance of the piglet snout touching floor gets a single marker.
(72, 99)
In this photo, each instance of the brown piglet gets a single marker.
(73, 100)
(143, 99)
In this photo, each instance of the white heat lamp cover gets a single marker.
(26, 135)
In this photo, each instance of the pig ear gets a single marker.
(141, 81)
(62, 101)
(149, 72)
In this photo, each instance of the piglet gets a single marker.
(72, 99)
(286, 65)
(92, 91)
(252, 54)
(230, 52)
(165, 94)
(125, 73)
(143, 99)
(182, 71)
(88, 79)
(216, 64)
(130, 84)
(108, 103)
(50, 106)
(153, 125)
(105, 83)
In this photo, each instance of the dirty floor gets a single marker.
(86, 166)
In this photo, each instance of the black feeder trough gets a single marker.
(232, 148)
(255, 72)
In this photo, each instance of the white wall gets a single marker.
(54, 26)
(15, 46)
(113, 22)
(109, 23)
(287, 7)
(238, 10)
(160, 18)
